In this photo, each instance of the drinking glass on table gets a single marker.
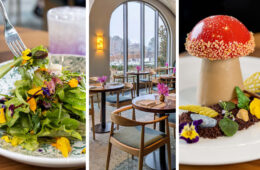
(67, 30)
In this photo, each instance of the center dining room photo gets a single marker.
(132, 85)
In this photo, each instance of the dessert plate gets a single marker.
(242, 147)
(46, 155)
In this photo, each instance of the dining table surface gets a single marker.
(31, 38)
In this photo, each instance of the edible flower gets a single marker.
(11, 108)
(32, 103)
(51, 86)
(83, 151)
(26, 54)
(255, 107)
(16, 141)
(2, 116)
(35, 91)
(138, 68)
(163, 89)
(46, 91)
(6, 139)
(63, 144)
(73, 83)
(102, 79)
(189, 131)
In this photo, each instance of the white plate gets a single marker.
(47, 156)
(243, 146)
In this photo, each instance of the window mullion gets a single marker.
(142, 27)
(156, 38)
(125, 37)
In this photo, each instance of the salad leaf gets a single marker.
(243, 100)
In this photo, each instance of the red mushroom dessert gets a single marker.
(219, 40)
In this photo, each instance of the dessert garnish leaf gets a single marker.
(206, 111)
(243, 100)
(228, 126)
(227, 105)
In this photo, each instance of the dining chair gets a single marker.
(135, 138)
(94, 81)
(171, 121)
(146, 80)
(120, 99)
(92, 114)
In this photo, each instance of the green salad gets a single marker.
(47, 104)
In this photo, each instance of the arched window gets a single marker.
(138, 36)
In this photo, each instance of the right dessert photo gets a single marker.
(219, 85)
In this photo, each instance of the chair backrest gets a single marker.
(122, 121)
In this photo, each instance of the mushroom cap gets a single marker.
(220, 37)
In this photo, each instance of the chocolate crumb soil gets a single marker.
(215, 132)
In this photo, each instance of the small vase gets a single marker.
(103, 84)
(162, 98)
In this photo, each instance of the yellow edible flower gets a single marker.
(255, 107)
(6, 139)
(31, 132)
(2, 116)
(63, 144)
(16, 141)
(42, 69)
(83, 151)
(189, 132)
(73, 83)
(34, 90)
(25, 54)
(32, 103)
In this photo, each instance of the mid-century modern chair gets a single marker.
(120, 99)
(135, 138)
(92, 114)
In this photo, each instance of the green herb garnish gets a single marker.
(228, 126)
(243, 100)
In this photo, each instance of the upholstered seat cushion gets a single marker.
(156, 89)
(113, 98)
(131, 136)
(172, 118)
(145, 80)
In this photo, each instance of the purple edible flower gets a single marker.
(189, 131)
(51, 86)
(138, 68)
(102, 79)
(163, 89)
(11, 108)
(40, 150)
(46, 91)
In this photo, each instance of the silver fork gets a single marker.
(12, 38)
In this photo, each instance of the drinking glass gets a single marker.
(67, 30)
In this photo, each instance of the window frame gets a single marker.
(158, 15)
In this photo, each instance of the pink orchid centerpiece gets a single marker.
(166, 64)
(163, 91)
(138, 68)
(102, 80)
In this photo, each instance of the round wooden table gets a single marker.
(104, 126)
(137, 74)
(168, 77)
(157, 159)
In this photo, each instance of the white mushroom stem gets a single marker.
(218, 80)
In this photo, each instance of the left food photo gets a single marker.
(42, 84)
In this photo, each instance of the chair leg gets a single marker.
(117, 126)
(154, 117)
(93, 126)
(169, 154)
(140, 162)
(108, 155)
